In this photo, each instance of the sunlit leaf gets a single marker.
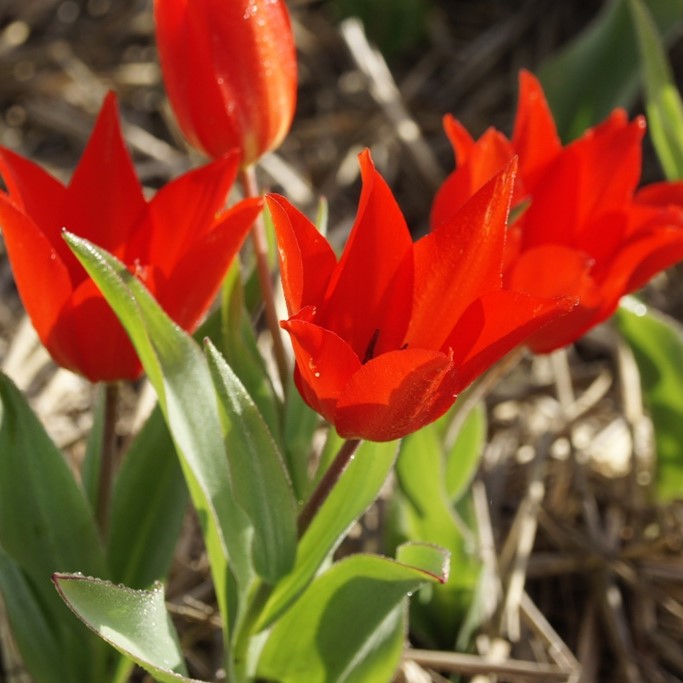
(662, 101)
(259, 477)
(135, 622)
(356, 489)
(343, 628)
(657, 344)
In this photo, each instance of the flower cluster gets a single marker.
(582, 227)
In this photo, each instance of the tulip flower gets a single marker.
(229, 67)
(388, 335)
(179, 245)
(582, 227)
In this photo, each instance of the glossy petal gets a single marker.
(34, 192)
(104, 217)
(41, 277)
(554, 270)
(189, 287)
(396, 394)
(221, 107)
(376, 248)
(88, 338)
(497, 323)
(306, 259)
(459, 262)
(535, 137)
(325, 363)
(480, 162)
(181, 213)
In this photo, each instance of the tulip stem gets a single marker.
(107, 456)
(326, 484)
(260, 243)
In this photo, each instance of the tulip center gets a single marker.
(370, 351)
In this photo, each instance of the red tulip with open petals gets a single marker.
(388, 335)
(582, 228)
(179, 245)
(229, 68)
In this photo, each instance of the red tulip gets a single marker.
(230, 72)
(582, 228)
(179, 244)
(388, 335)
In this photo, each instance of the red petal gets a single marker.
(36, 193)
(460, 139)
(484, 159)
(638, 260)
(41, 277)
(306, 259)
(89, 339)
(376, 248)
(459, 262)
(104, 198)
(325, 363)
(396, 394)
(593, 176)
(553, 271)
(535, 136)
(181, 213)
(190, 286)
(661, 194)
(496, 324)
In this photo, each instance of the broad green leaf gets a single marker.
(662, 101)
(331, 633)
(135, 622)
(423, 512)
(259, 477)
(598, 70)
(356, 489)
(177, 369)
(239, 347)
(37, 639)
(149, 502)
(657, 344)
(462, 460)
(46, 525)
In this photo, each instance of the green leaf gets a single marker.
(180, 375)
(662, 101)
(240, 349)
(423, 512)
(37, 639)
(354, 492)
(331, 632)
(46, 525)
(149, 502)
(259, 477)
(135, 622)
(462, 460)
(607, 50)
(657, 344)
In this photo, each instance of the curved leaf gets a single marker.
(135, 622)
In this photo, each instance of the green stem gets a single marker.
(108, 459)
(326, 484)
(260, 243)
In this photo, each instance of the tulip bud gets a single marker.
(230, 72)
